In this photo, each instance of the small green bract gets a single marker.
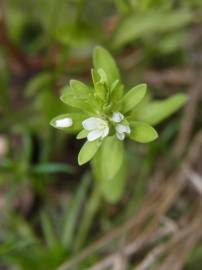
(107, 110)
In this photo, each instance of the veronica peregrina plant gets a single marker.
(105, 114)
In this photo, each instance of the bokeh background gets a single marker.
(44, 194)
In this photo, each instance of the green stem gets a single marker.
(90, 212)
(79, 12)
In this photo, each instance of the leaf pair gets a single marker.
(109, 166)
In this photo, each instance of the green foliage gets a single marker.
(133, 97)
(45, 168)
(79, 89)
(140, 25)
(109, 168)
(49, 204)
(142, 132)
(87, 152)
(103, 60)
(72, 213)
(112, 150)
(78, 102)
(156, 111)
(111, 188)
(100, 119)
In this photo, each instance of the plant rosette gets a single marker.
(105, 114)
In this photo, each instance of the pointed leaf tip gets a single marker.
(102, 59)
(87, 151)
(133, 97)
(156, 111)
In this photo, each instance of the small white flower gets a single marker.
(63, 123)
(97, 127)
(117, 117)
(121, 131)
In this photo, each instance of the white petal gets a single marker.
(90, 123)
(94, 135)
(105, 132)
(122, 128)
(117, 117)
(128, 130)
(93, 123)
(65, 122)
(120, 136)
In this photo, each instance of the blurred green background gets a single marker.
(43, 192)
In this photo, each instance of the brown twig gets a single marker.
(155, 205)
(189, 116)
(182, 243)
(169, 77)
(180, 238)
(131, 248)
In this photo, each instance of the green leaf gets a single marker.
(45, 168)
(48, 230)
(76, 102)
(142, 132)
(38, 83)
(84, 102)
(111, 156)
(133, 97)
(79, 89)
(102, 59)
(87, 151)
(77, 119)
(49, 104)
(155, 112)
(100, 88)
(102, 74)
(71, 34)
(116, 92)
(111, 189)
(114, 188)
(150, 23)
(82, 134)
(72, 213)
